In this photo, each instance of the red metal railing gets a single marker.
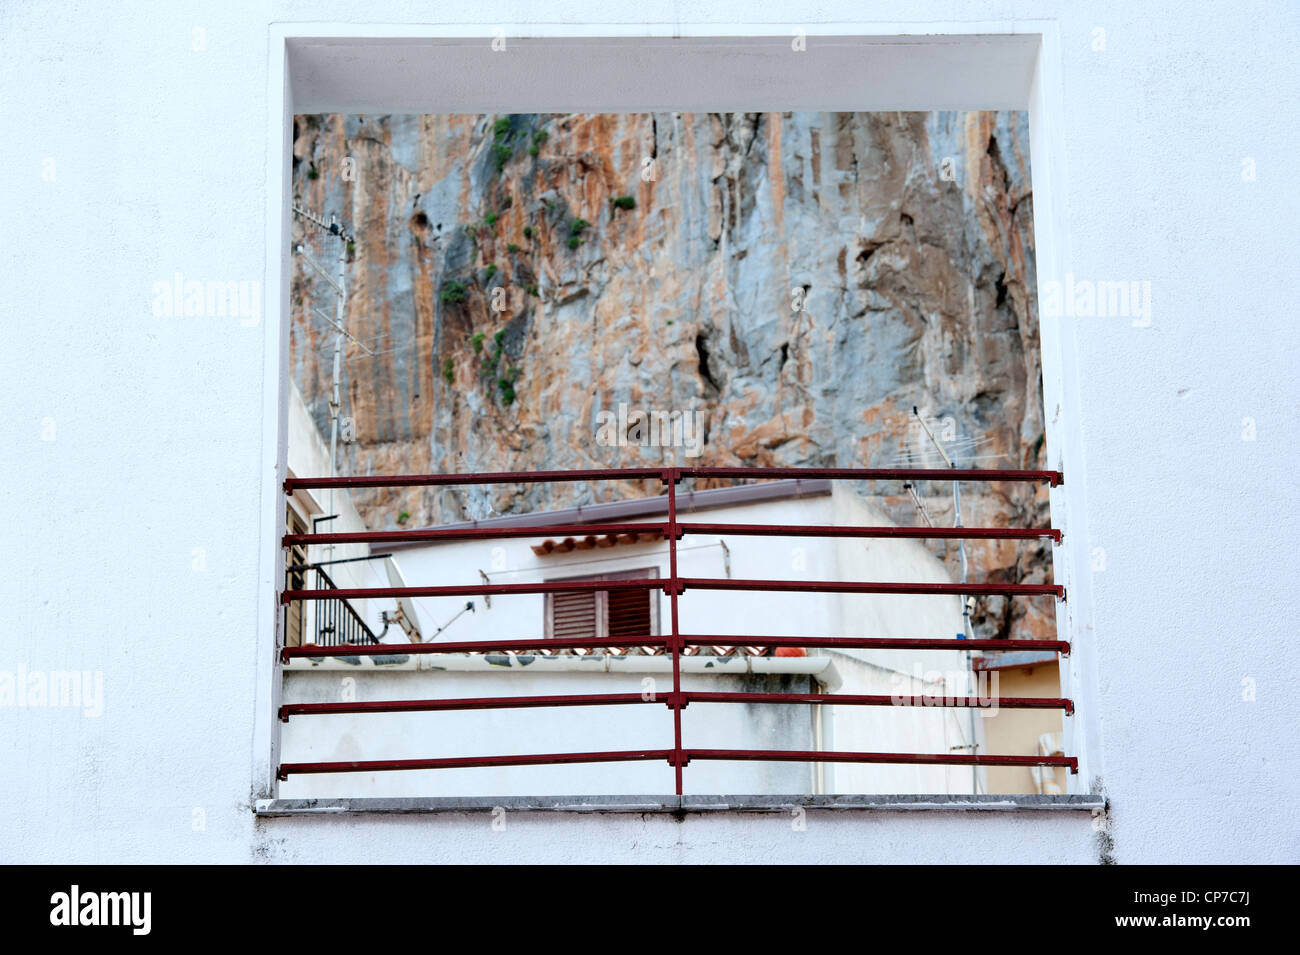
(675, 642)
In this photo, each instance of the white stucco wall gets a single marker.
(890, 672)
(133, 474)
(570, 729)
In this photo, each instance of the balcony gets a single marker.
(675, 649)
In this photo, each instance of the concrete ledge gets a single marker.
(463, 804)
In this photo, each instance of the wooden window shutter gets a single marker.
(573, 616)
(604, 613)
(629, 613)
(632, 613)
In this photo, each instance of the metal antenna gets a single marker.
(911, 489)
(345, 238)
(967, 603)
(469, 608)
(956, 499)
(333, 227)
(340, 328)
(323, 274)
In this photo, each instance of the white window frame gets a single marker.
(319, 67)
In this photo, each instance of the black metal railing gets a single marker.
(334, 621)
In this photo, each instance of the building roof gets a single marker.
(687, 502)
(592, 541)
(1006, 659)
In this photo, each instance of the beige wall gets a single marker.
(1016, 732)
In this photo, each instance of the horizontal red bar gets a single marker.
(854, 699)
(473, 646)
(687, 583)
(472, 533)
(880, 474)
(740, 530)
(631, 474)
(813, 756)
(467, 703)
(469, 762)
(690, 640)
(850, 587)
(473, 590)
(486, 477)
(874, 643)
(922, 533)
(761, 755)
(668, 699)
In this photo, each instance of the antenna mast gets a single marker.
(345, 237)
(967, 602)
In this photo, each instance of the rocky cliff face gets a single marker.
(799, 281)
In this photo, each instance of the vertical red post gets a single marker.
(671, 477)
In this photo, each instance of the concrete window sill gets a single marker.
(634, 804)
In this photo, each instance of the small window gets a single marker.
(604, 613)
